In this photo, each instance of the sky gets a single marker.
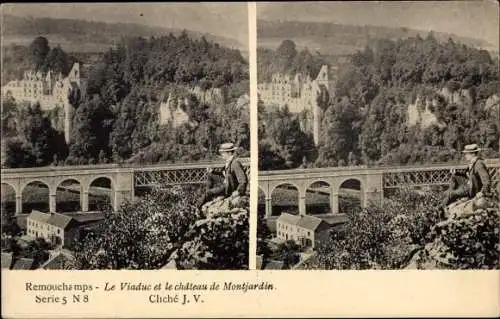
(222, 19)
(476, 19)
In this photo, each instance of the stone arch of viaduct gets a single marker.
(122, 185)
(371, 187)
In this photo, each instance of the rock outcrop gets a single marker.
(221, 205)
(212, 96)
(219, 237)
(426, 118)
(172, 111)
(467, 239)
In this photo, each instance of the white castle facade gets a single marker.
(299, 93)
(49, 90)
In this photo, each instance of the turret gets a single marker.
(74, 74)
(323, 77)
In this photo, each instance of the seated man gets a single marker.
(475, 183)
(234, 180)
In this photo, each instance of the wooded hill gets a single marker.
(116, 117)
(338, 39)
(79, 35)
(368, 118)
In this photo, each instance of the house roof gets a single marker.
(274, 264)
(39, 216)
(6, 260)
(87, 217)
(59, 220)
(288, 218)
(304, 221)
(309, 222)
(23, 264)
(54, 219)
(170, 265)
(58, 261)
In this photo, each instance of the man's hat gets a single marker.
(471, 148)
(227, 147)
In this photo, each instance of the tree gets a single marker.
(140, 235)
(162, 226)
(91, 130)
(287, 252)
(285, 55)
(9, 114)
(340, 132)
(38, 141)
(57, 61)
(38, 250)
(18, 154)
(39, 49)
(263, 233)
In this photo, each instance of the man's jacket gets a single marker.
(479, 178)
(235, 178)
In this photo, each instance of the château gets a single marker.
(299, 93)
(51, 91)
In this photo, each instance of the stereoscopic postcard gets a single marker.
(305, 159)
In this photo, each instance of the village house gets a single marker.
(56, 228)
(306, 231)
(59, 260)
(9, 262)
(269, 264)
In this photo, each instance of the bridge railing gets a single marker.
(144, 175)
(194, 173)
(495, 163)
(397, 176)
(134, 167)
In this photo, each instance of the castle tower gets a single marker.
(72, 82)
(322, 81)
(68, 121)
(322, 77)
(47, 89)
(74, 74)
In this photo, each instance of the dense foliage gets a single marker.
(379, 237)
(464, 243)
(38, 56)
(367, 118)
(288, 253)
(339, 39)
(38, 143)
(409, 224)
(84, 36)
(147, 234)
(116, 117)
(287, 60)
(282, 143)
(219, 242)
(37, 250)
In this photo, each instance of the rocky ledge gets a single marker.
(467, 239)
(220, 237)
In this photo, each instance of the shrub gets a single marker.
(467, 243)
(165, 225)
(380, 237)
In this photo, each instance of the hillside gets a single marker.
(337, 39)
(405, 101)
(118, 112)
(89, 36)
